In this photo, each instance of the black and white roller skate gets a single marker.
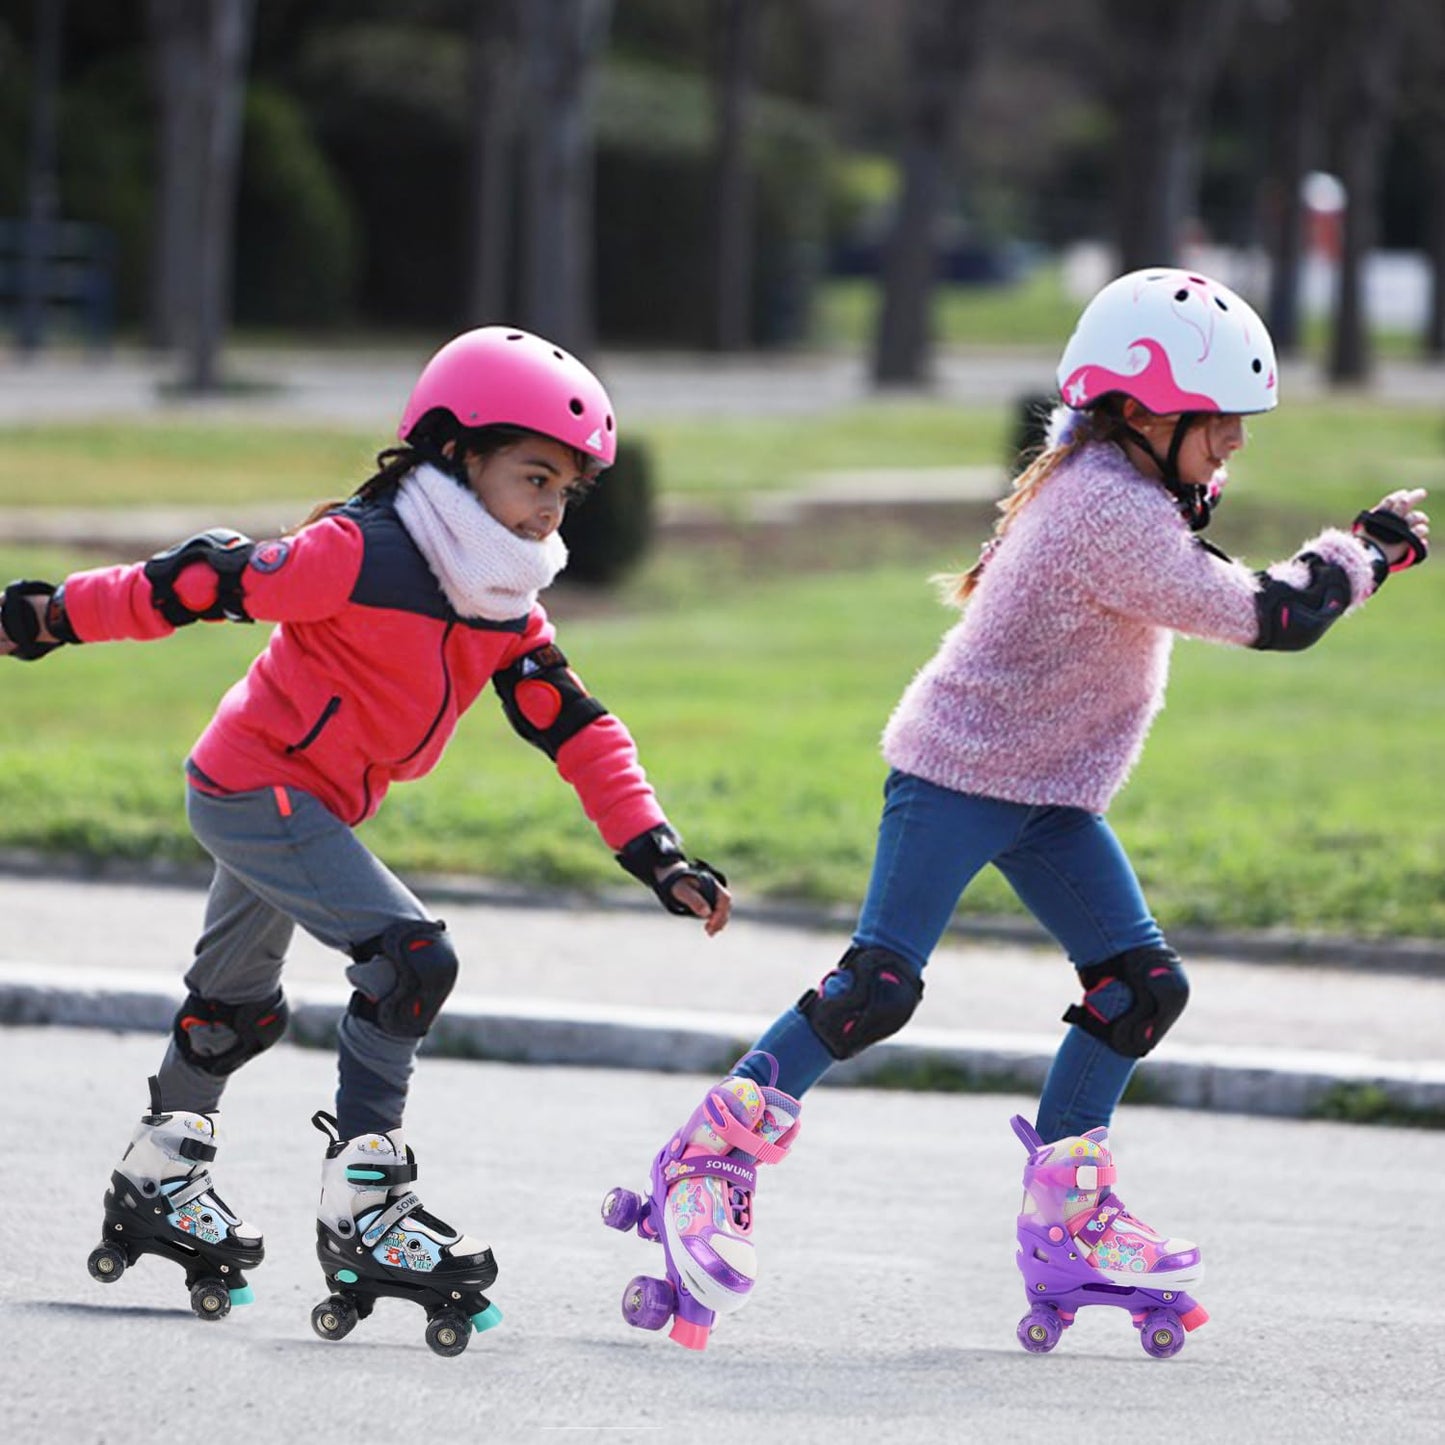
(161, 1201)
(374, 1238)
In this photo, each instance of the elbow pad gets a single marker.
(545, 700)
(1294, 618)
(226, 553)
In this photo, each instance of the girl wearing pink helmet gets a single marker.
(393, 611)
(1007, 748)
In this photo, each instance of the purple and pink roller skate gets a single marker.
(1079, 1246)
(700, 1208)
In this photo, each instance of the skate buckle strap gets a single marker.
(392, 1214)
(712, 1166)
(1087, 1177)
(738, 1135)
(188, 1192)
(388, 1174)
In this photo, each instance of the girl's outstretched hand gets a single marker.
(1405, 505)
(688, 894)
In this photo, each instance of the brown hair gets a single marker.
(425, 444)
(1102, 422)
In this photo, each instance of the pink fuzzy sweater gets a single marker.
(1045, 690)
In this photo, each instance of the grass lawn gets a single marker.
(1304, 790)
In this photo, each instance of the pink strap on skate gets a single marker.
(728, 1127)
(1075, 1176)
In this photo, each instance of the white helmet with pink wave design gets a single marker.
(1173, 340)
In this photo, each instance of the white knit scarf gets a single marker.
(484, 569)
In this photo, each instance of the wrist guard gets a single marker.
(1293, 618)
(1383, 529)
(22, 625)
(659, 849)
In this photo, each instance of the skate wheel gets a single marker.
(1039, 1331)
(448, 1332)
(106, 1263)
(648, 1303)
(621, 1208)
(210, 1299)
(334, 1319)
(1162, 1334)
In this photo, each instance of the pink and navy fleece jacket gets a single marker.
(1045, 690)
(363, 682)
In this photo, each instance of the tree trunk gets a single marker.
(492, 125)
(940, 54)
(43, 199)
(737, 22)
(1167, 58)
(1298, 138)
(227, 50)
(1365, 109)
(199, 50)
(1434, 332)
(563, 40)
(175, 29)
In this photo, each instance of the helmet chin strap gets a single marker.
(1194, 502)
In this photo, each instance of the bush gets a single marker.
(296, 237)
(612, 530)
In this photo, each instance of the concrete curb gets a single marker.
(1255, 1081)
(1415, 957)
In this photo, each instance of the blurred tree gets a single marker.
(1293, 45)
(1161, 62)
(200, 49)
(562, 43)
(1367, 47)
(942, 37)
(1424, 101)
(43, 201)
(736, 25)
(491, 147)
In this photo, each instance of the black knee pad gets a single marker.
(1160, 990)
(424, 968)
(882, 992)
(218, 1038)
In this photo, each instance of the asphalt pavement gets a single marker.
(886, 1306)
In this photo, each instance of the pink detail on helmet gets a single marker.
(501, 375)
(1153, 386)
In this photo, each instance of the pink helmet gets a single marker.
(1173, 340)
(500, 375)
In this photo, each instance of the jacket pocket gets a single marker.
(327, 713)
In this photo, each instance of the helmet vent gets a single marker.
(558, 354)
(516, 336)
(1220, 302)
(575, 407)
(609, 423)
(1181, 294)
(1257, 364)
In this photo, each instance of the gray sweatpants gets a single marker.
(283, 859)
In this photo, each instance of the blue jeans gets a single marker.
(1067, 868)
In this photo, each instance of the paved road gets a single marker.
(886, 1311)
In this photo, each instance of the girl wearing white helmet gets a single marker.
(394, 611)
(1009, 745)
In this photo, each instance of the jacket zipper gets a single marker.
(327, 713)
(431, 728)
